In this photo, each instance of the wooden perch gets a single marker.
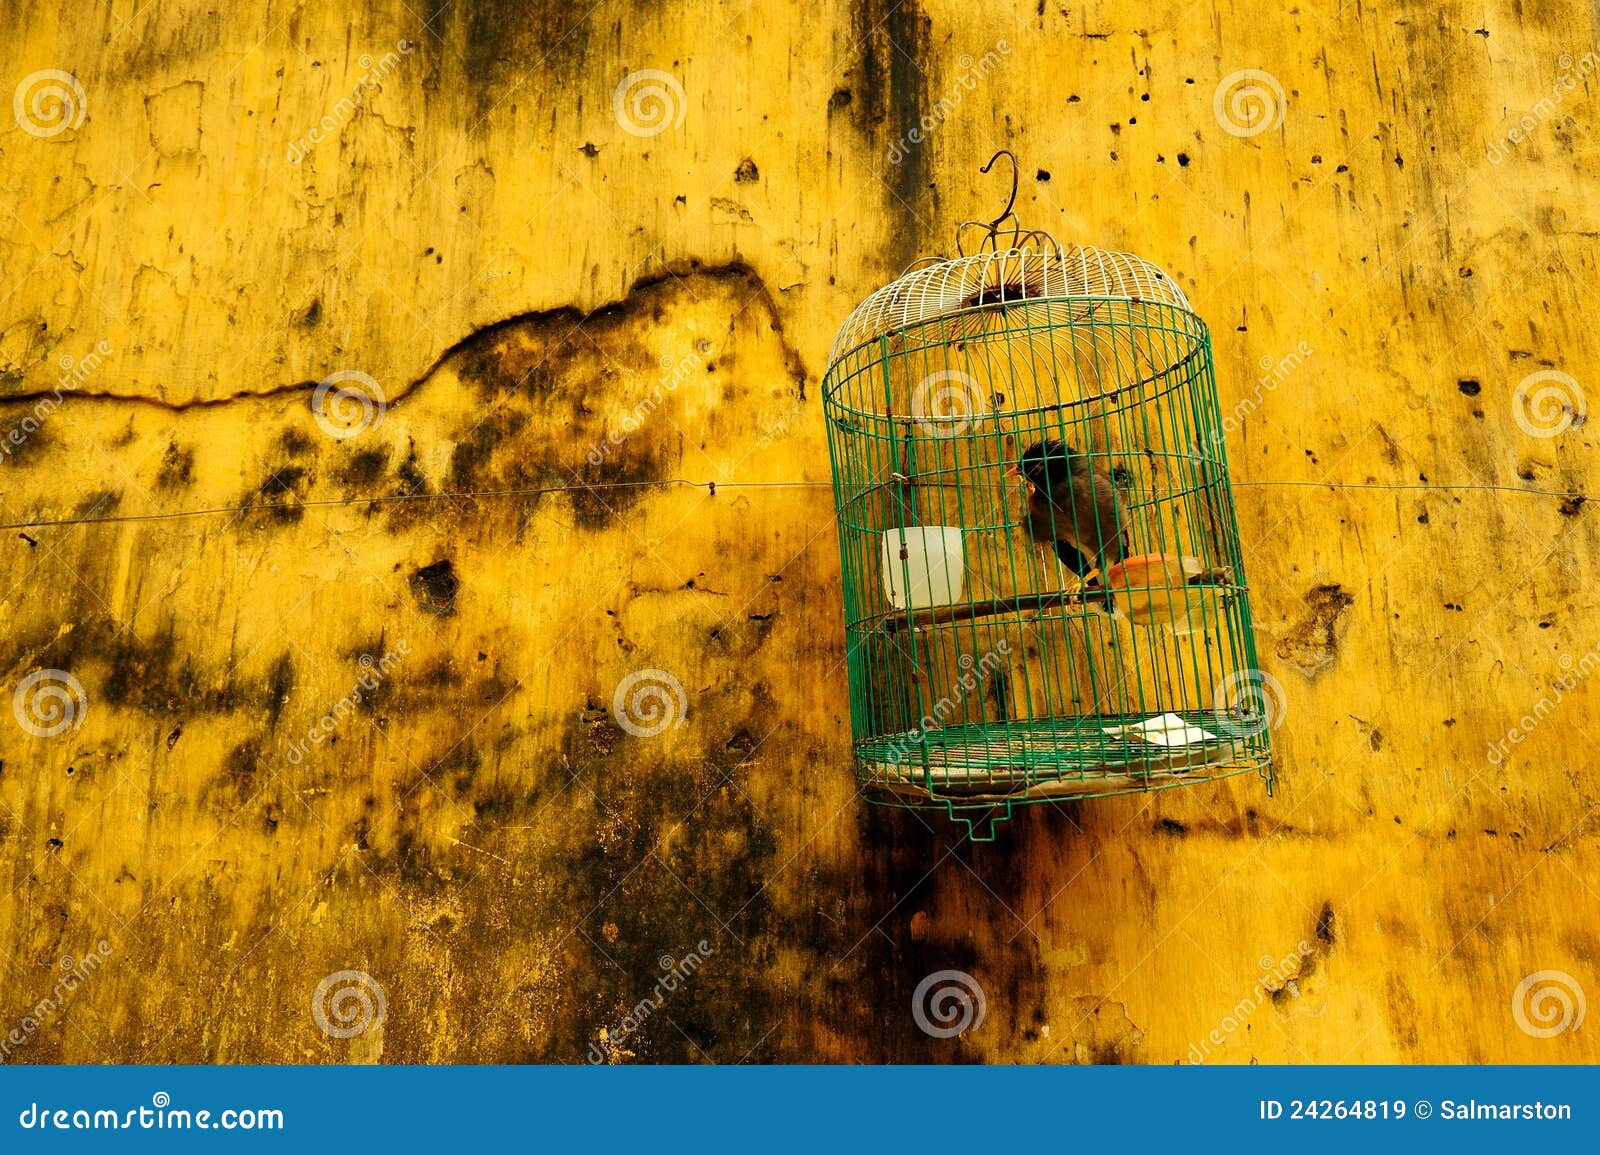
(939, 615)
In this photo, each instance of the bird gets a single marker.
(1078, 505)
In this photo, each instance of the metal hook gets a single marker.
(1016, 173)
(993, 230)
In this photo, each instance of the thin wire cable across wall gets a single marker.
(711, 487)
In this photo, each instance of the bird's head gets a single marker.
(1046, 463)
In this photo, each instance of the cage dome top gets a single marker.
(1010, 265)
(1035, 269)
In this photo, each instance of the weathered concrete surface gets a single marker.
(522, 276)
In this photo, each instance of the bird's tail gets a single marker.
(1073, 558)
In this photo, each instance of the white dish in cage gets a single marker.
(932, 570)
(1164, 730)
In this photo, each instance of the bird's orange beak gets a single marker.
(1015, 474)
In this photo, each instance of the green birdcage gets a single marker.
(1043, 589)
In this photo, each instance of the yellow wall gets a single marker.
(519, 274)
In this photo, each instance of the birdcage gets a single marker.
(1043, 589)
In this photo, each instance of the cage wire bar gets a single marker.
(984, 674)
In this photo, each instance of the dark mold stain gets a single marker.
(511, 50)
(279, 682)
(894, 36)
(237, 782)
(456, 770)
(637, 803)
(1327, 928)
(1312, 645)
(279, 498)
(364, 468)
(739, 637)
(293, 443)
(435, 587)
(148, 674)
(177, 467)
(534, 375)
(28, 444)
(101, 503)
(475, 447)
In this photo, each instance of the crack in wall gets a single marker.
(677, 270)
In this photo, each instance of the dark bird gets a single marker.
(1078, 505)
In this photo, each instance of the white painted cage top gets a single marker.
(1049, 272)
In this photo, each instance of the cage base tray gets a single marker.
(1066, 758)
